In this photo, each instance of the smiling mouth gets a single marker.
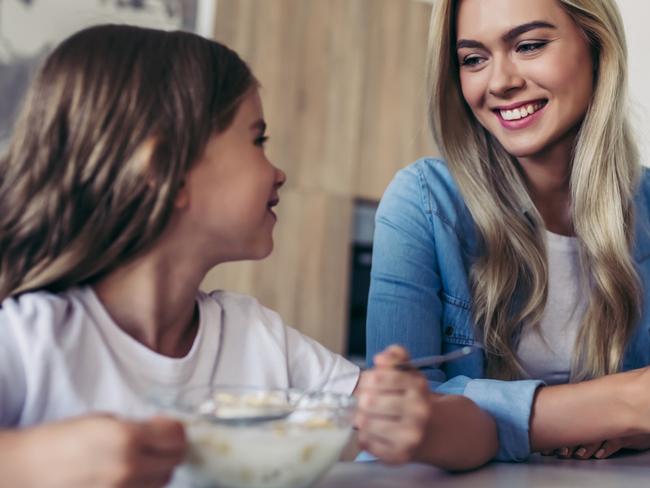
(523, 111)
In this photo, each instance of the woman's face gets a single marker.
(526, 72)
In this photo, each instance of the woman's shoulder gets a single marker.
(642, 202)
(644, 184)
(427, 186)
(427, 173)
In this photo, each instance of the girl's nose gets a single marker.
(280, 177)
(504, 77)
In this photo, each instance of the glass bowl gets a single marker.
(292, 452)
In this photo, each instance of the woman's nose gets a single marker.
(504, 77)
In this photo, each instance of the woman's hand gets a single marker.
(394, 409)
(602, 450)
(99, 451)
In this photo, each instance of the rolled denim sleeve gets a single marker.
(405, 307)
(510, 404)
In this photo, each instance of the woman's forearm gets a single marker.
(461, 435)
(576, 414)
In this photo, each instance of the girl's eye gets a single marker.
(260, 141)
(530, 47)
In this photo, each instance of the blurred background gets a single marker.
(345, 100)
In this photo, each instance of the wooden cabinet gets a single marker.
(344, 97)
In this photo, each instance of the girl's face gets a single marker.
(231, 190)
(526, 71)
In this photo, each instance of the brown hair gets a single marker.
(111, 124)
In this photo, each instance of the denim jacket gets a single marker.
(425, 242)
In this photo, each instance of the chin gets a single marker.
(263, 252)
(523, 149)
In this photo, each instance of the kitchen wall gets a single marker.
(343, 91)
(636, 16)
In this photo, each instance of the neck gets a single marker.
(153, 299)
(548, 179)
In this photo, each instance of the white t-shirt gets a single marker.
(62, 355)
(546, 353)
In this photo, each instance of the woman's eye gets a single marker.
(471, 61)
(261, 141)
(530, 47)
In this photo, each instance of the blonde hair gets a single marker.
(111, 124)
(509, 279)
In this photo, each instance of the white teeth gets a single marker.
(521, 112)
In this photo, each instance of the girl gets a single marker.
(138, 164)
(532, 237)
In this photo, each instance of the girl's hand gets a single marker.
(602, 450)
(394, 409)
(99, 451)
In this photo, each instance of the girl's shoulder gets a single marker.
(35, 325)
(243, 310)
(39, 310)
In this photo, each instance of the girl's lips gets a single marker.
(272, 203)
(520, 123)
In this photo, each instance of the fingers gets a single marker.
(598, 450)
(148, 452)
(391, 356)
(384, 449)
(392, 442)
(393, 413)
(393, 380)
(382, 405)
(587, 451)
(565, 452)
(163, 435)
(608, 448)
(141, 466)
(146, 468)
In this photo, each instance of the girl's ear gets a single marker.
(143, 159)
(182, 199)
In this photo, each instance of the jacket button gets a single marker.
(449, 330)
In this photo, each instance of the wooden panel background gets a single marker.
(344, 98)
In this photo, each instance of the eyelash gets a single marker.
(468, 61)
(530, 47)
(524, 48)
(260, 141)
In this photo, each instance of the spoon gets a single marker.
(280, 412)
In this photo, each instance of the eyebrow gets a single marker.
(258, 125)
(508, 36)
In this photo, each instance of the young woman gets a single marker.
(138, 165)
(532, 237)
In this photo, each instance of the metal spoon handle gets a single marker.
(436, 360)
(419, 363)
